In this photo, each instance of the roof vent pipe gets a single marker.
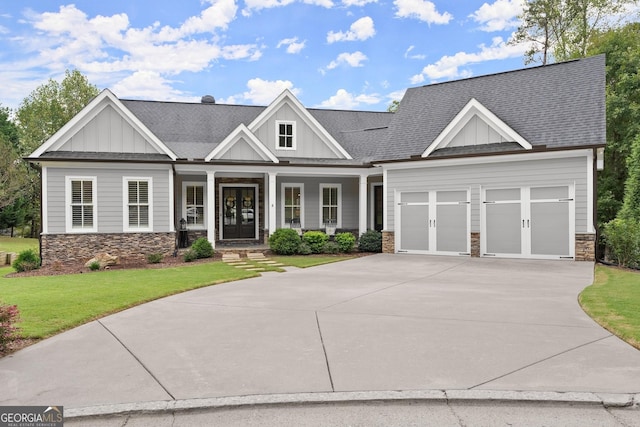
(208, 99)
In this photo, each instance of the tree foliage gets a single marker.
(40, 115)
(563, 29)
(631, 202)
(622, 47)
(50, 106)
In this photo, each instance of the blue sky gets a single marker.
(343, 54)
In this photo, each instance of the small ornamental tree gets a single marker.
(9, 315)
(316, 241)
(285, 241)
(370, 241)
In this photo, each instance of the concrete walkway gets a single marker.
(378, 323)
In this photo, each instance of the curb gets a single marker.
(607, 400)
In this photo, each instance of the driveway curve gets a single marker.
(382, 322)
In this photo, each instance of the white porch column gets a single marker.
(362, 212)
(211, 207)
(272, 202)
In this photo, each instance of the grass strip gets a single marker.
(613, 300)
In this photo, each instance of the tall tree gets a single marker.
(12, 173)
(50, 106)
(622, 47)
(40, 115)
(563, 29)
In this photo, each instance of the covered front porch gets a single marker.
(240, 206)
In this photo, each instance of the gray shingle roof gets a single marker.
(558, 105)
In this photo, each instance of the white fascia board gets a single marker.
(463, 161)
(234, 137)
(280, 170)
(286, 97)
(81, 164)
(105, 98)
(475, 108)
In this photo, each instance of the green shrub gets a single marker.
(27, 260)
(202, 248)
(315, 240)
(623, 241)
(370, 241)
(154, 258)
(284, 241)
(9, 316)
(345, 242)
(330, 248)
(304, 249)
(94, 266)
(190, 255)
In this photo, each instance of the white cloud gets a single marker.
(362, 29)
(449, 67)
(501, 15)
(344, 100)
(360, 3)
(118, 55)
(149, 85)
(422, 10)
(262, 92)
(255, 5)
(354, 59)
(293, 45)
(414, 56)
(396, 95)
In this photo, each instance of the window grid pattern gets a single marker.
(292, 204)
(195, 204)
(330, 205)
(82, 204)
(285, 135)
(138, 204)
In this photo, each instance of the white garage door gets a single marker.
(528, 222)
(434, 222)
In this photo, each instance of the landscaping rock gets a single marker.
(104, 259)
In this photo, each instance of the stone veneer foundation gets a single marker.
(585, 247)
(475, 244)
(388, 242)
(76, 248)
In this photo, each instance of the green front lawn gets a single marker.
(51, 304)
(614, 302)
(17, 244)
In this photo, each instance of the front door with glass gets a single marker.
(238, 213)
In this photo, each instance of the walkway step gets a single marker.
(230, 257)
(255, 255)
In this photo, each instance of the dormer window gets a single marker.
(286, 135)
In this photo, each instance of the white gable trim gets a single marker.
(475, 108)
(88, 113)
(286, 97)
(234, 137)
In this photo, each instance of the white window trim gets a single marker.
(284, 186)
(69, 212)
(125, 203)
(339, 219)
(277, 131)
(186, 184)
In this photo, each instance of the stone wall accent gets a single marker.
(475, 244)
(388, 242)
(585, 247)
(78, 248)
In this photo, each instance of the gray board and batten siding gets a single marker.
(507, 174)
(109, 194)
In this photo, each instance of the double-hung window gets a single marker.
(81, 204)
(138, 206)
(194, 202)
(293, 205)
(330, 205)
(286, 135)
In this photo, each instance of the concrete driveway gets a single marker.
(383, 322)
